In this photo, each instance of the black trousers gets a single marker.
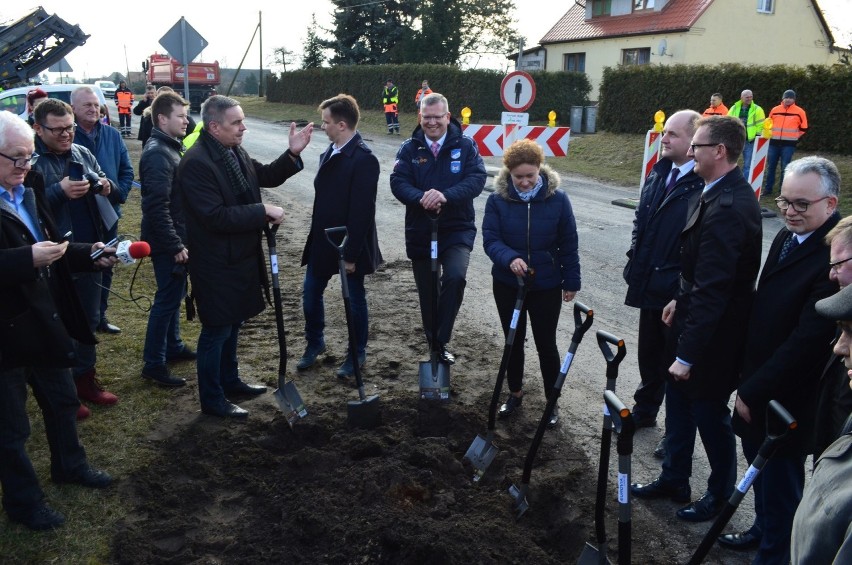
(452, 273)
(653, 363)
(543, 308)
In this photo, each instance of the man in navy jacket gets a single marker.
(438, 172)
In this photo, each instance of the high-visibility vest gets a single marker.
(421, 93)
(754, 121)
(789, 123)
(390, 96)
(124, 98)
(720, 110)
(191, 138)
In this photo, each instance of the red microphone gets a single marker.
(128, 252)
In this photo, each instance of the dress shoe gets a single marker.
(83, 412)
(86, 476)
(161, 375)
(347, 369)
(244, 389)
(554, 418)
(105, 327)
(39, 518)
(185, 354)
(225, 410)
(741, 541)
(659, 488)
(309, 357)
(644, 421)
(510, 406)
(705, 508)
(446, 356)
(88, 388)
(660, 450)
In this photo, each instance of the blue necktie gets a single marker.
(789, 245)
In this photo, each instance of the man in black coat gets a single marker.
(345, 195)
(670, 192)
(219, 186)
(787, 347)
(39, 315)
(720, 259)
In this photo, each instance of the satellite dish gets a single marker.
(661, 48)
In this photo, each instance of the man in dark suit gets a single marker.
(787, 347)
(219, 186)
(720, 259)
(345, 195)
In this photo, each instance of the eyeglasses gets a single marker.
(21, 162)
(836, 265)
(432, 118)
(800, 206)
(57, 131)
(694, 145)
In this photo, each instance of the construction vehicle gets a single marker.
(163, 70)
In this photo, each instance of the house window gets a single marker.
(643, 5)
(601, 7)
(636, 56)
(765, 6)
(574, 62)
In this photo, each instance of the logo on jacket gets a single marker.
(455, 154)
(455, 167)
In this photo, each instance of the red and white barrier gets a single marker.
(489, 139)
(492, 139)
(758, 164)
(651, 154)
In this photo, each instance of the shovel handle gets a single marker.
(330, 232)
(270, 231)
(582, 325)
(605, 339)
(779, 422)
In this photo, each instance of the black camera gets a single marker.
(95, 186)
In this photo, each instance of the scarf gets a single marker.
(530, 194)
(237, 180)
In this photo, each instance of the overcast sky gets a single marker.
(124, 34)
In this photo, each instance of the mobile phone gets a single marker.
(66, 237)
(76, 170)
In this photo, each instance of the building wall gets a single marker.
(725, 33)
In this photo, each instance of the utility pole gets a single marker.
(260, 42)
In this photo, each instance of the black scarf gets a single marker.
(236, 178)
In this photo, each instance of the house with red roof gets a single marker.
(594, 34)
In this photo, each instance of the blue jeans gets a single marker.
(314, 309)
(56, 395)
(777, 493)
(712, 419)
(88, 287)
(106, 275)
(163, 335)
(784, 153)
(452, 269)
(748, 151)
(217, 365)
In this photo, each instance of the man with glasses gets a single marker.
(438, 172)
(79, 210)
(720, 259)
(787, 348)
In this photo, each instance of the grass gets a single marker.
(115, 437)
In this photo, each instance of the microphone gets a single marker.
(128, 252)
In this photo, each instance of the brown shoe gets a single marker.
(89, 389)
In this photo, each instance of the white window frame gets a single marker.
(765, 6)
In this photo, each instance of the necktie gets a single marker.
(673, 180)
(435, 148)
(789, 245)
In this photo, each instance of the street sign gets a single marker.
(61, 66)
(182, 42)
(517, 118)
(517, 92)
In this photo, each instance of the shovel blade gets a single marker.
(593, 555)
(290, 402)
(365, 414)
(520, 504)
(480, 454)
(434, 381)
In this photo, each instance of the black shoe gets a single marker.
(660, 450)
(644, 421)
(105, 327)
(446, 356)
(554, 418)
(86, 476)
(309, 357)
(512, 404)
(705, 508)
(742, 541)
(659, 488)
(244, 389)
(225, 410)
(40, 518)
(161, 376)
(185, 354)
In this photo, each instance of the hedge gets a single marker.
(629, 96)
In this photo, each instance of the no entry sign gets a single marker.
(517, 91)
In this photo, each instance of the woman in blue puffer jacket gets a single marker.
(529, 225)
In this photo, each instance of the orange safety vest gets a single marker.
(125, 101)
(789, 123)
(720, 110)
(421, 93)
(390, 108)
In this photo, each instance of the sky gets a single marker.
(121, 41)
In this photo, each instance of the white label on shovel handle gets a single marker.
(623, 492)
(567, 362)
(273, 261)
(748, 478)
(434, 250)
(514, 323)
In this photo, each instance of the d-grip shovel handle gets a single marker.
(779, 422)
(270, 230)
(581, 325)
(329, 232)
(605, 339)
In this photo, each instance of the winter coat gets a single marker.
(653, 262)
(224, 232)
(111, 153)
(458, 172)
(542, 232)
(163, 225)
(345, 195)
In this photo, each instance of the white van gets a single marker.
(15, 99)
(107, 86)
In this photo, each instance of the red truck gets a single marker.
(162, 70)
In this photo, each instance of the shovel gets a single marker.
(483, 451)
(519, 494)
(365, 412)
(623, 422)
(597, 554)
(434, 374)
(779, 422)
(286, 395)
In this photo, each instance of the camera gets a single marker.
(95, 186)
